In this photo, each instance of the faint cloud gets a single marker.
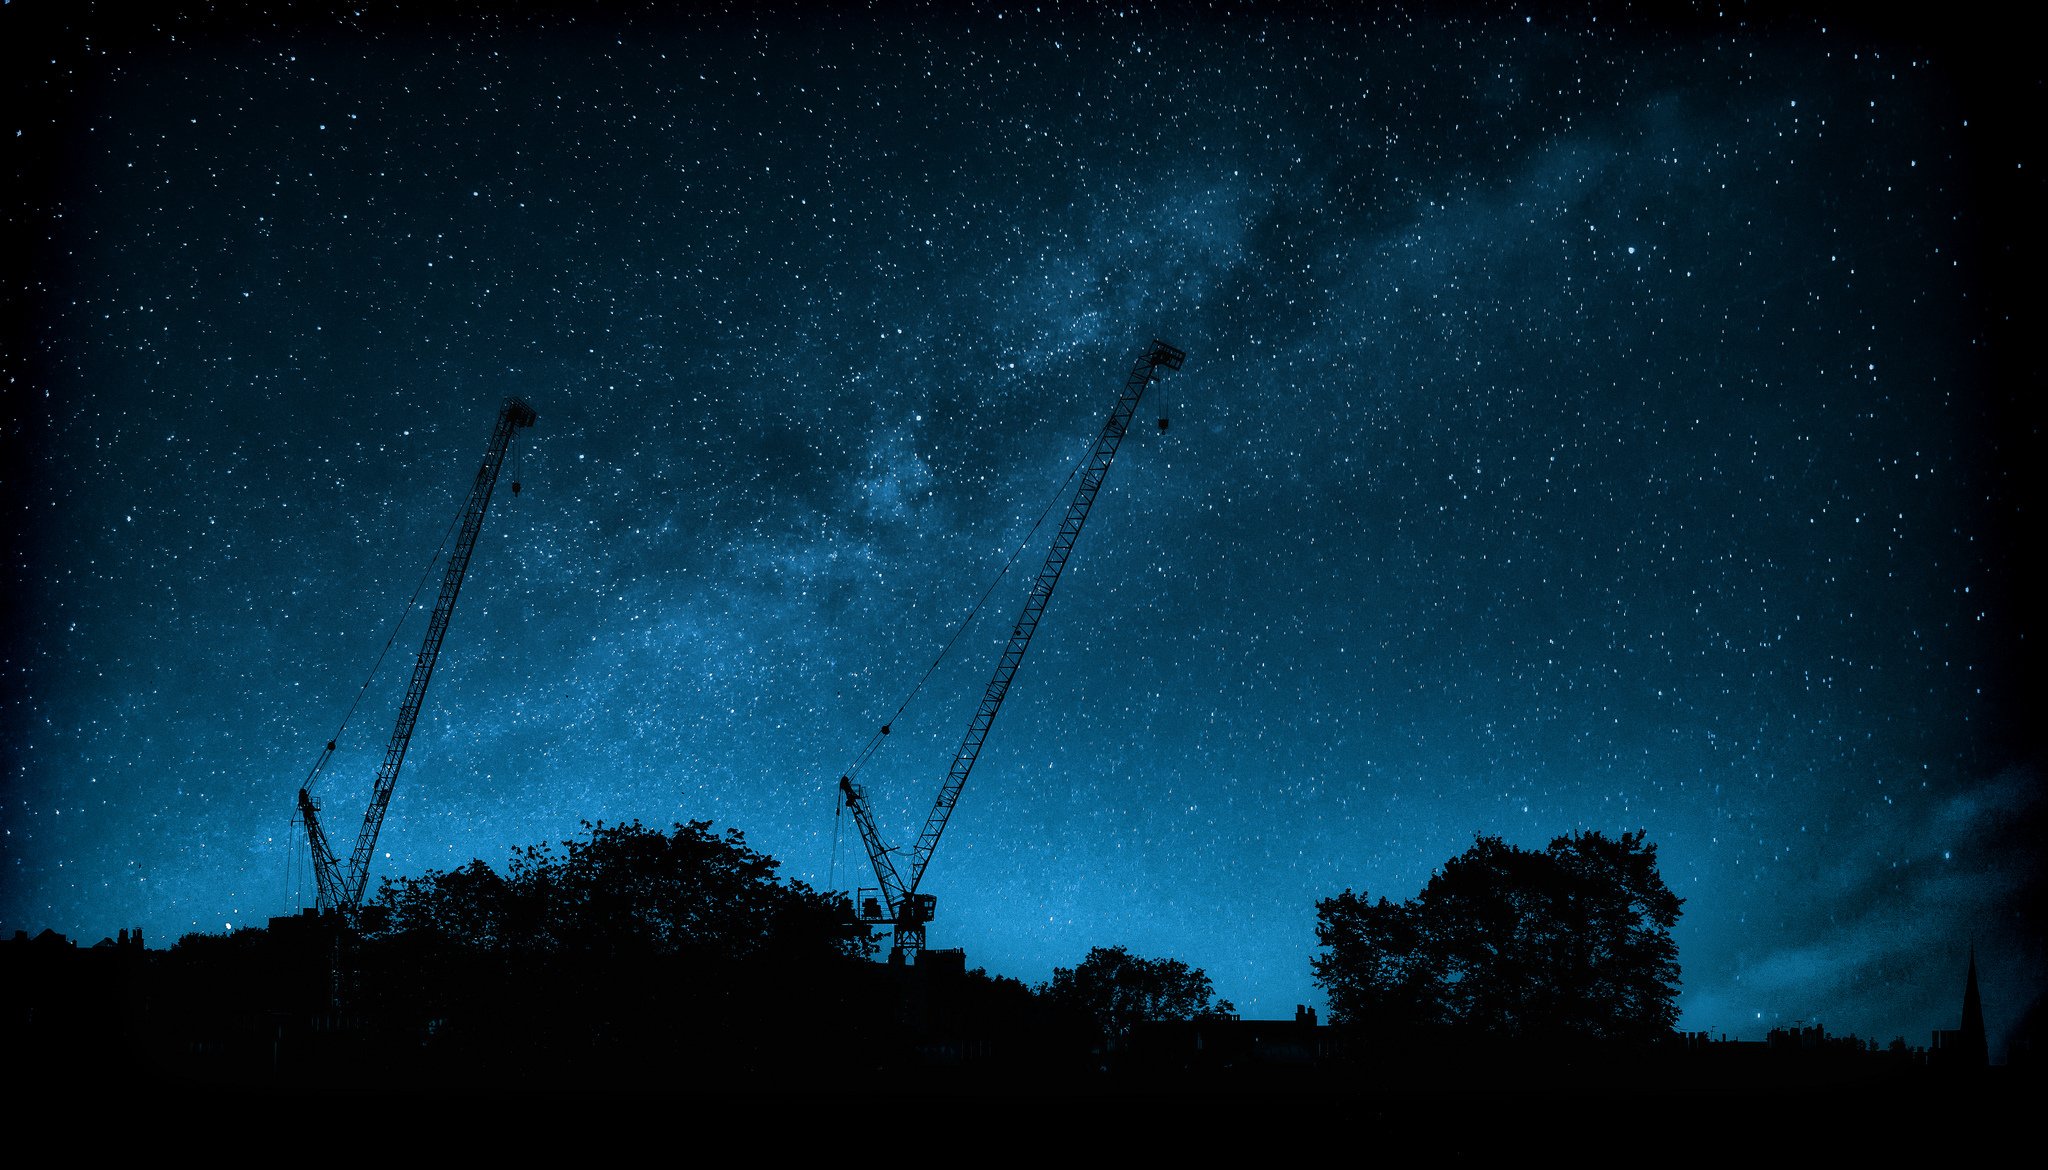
(1889, 947)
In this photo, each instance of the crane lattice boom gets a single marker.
(907, 910)
(338, 888)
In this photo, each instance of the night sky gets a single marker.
(1588, 423)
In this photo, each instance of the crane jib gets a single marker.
(908, 910)
(339, 888)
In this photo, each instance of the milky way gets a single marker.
(1584, 426)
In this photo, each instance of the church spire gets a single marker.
(1976, 1052)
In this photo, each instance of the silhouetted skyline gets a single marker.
(1586, 425)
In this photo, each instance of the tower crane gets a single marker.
(340, 888)
(897, 904)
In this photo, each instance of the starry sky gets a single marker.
(1589, 422)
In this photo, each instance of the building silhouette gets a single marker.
(1964, 1047)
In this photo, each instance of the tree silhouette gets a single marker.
(624, 891)
(1572, 941)
(1117, 991)
(627, 956)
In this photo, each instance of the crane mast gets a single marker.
(341, 888)
(900, 906)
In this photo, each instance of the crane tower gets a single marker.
(897, 904)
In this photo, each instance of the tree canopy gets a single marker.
(604, 959)
(1118, 991)
(624, 891)
(1570, 941)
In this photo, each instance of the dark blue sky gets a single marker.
(1586, 425)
